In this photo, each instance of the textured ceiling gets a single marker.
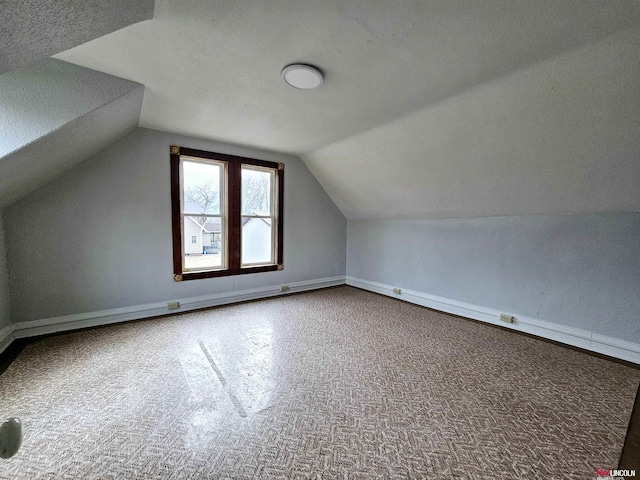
(54, 114)
(212, 68)
(34, 29)
(438, 108)
(561, 136)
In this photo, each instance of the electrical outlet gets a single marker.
(173, 305)
(397, 291)
(506, 318)
(284, 288)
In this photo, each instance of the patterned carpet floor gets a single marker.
(332, 384)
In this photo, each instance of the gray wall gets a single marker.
(577, 270)
(99, 236)
(5, 318)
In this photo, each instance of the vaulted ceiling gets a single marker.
(33, 30)
(437, 108)
(54, 114)
(212, 68)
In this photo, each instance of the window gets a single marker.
(231, 210)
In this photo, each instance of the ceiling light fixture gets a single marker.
(304, 77)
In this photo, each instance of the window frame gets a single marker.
(233, 200)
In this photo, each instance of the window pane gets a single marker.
(257, 240)
(201, 187)
(256, 191)
(206, 251)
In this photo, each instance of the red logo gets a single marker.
(602, 473)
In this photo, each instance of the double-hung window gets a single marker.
(226, 214)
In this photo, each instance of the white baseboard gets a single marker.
(553, 331)
(115, 315)
(569, 335)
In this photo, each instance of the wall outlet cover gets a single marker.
(506, 318)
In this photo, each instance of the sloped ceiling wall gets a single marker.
(433, 109)
(429, 109)
(212, 68)
(561, 136)
(55, 114)
(34, 29)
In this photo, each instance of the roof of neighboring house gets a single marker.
(265, 213)
(246, 220)
(211, 226)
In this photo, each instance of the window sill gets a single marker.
(225, 273)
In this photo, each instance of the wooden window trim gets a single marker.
(234, 230)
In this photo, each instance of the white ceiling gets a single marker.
(561, 136)
(32, 30)
(438, 108)
(212, 68)
(53, 115)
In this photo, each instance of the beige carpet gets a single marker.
(338, 383)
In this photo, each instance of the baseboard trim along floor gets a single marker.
(65, 323)
(576, 337)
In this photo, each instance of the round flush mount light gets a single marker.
(304, 77)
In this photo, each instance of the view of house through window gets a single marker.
(257, 216)
(202, 195)
(227, 217)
